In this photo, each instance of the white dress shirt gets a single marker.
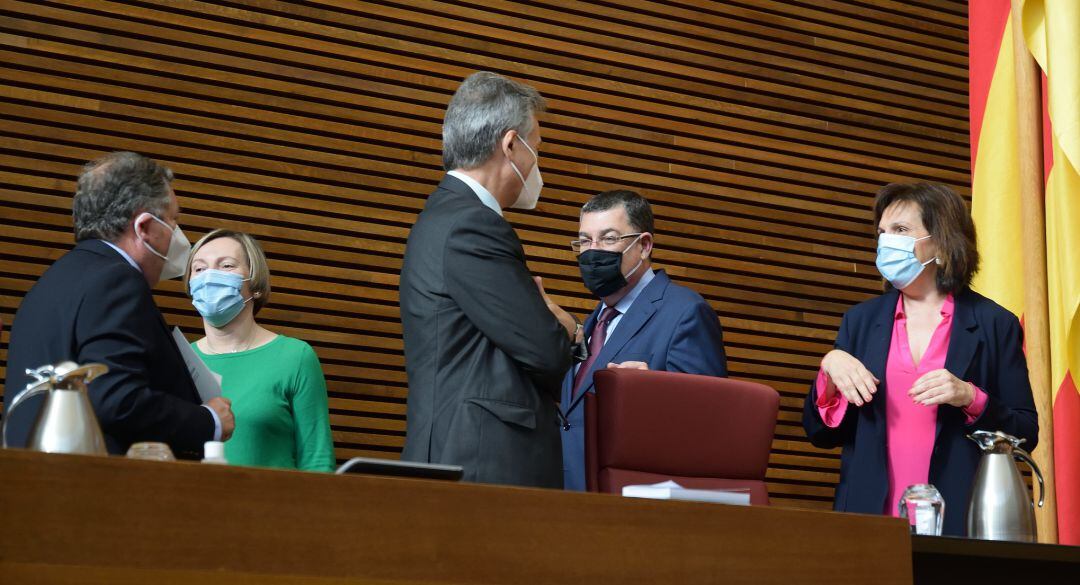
(485, 196)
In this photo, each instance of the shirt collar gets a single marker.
(485, 196)
(946, 308)
(123, 253)
(624, 303)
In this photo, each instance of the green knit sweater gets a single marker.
(278, 396)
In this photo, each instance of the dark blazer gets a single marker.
(668, 326)
(91, 305)
(483, 353)
(985, 348)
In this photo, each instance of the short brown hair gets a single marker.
(637, 208)
(949, 222)
(255, 258)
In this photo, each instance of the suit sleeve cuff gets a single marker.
(831, 410)
(217, 423)
(977, 406)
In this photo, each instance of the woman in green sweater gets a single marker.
(275, 382)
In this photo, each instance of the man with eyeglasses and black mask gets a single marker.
(644, 320)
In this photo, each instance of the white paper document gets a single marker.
(670, 490)
(206, 382)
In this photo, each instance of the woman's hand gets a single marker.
(850, 377)
(941, 387)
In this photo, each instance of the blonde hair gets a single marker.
(254, 256)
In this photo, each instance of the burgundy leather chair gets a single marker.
(645, 427)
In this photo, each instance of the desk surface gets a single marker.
(938, 559)
(76, 519)
(70, 519)
(989, 549)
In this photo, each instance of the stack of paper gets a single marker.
(208, 383)
(670, 490)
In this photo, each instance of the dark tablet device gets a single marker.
(372, 466)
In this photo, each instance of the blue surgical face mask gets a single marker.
(896, 260)
(216, 296)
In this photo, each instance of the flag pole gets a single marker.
(1033, 215)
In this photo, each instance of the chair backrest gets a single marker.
(700, 431)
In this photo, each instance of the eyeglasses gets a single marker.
(605, 243)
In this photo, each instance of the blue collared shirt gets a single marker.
(122, 253)
(623, 306)
(624, 303)
(485, 196)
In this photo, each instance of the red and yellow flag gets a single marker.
(1004, 136)
(995, 158)
(1052, 32)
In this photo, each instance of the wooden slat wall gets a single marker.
(758, 129)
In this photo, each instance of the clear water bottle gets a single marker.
(151, 451)
(924, 509)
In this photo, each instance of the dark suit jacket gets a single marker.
(668, 326)
(483, 353)
(91, 305)
(985, 348)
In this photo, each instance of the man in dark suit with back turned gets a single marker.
(94, 304)
(484, 349)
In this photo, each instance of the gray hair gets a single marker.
(112, 189)
(482, 111)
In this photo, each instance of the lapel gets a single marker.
(640, 312)
(881, 330)
(963, 339)
(568, 380)
(963, 342)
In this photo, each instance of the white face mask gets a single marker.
(176, 258)
(530, 187)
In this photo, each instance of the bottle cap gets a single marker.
(213, 450)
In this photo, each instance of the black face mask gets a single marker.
(602, 270)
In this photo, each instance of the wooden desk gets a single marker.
(74, 519)
(943, 559)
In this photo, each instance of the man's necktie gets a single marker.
(596, 342)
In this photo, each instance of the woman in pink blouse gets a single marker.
(918, 368)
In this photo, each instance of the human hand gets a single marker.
(223, 408)
(850, 377)
(628, 366)
(941, 387)
(565, 319)
(539, 281)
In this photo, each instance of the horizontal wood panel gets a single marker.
(265, 526)
(759, 131)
